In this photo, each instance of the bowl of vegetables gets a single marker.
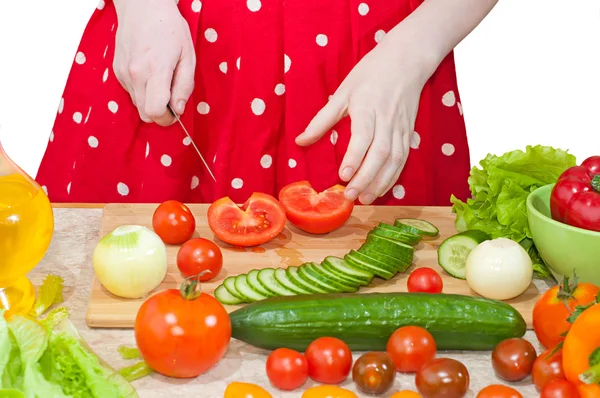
(565, 248)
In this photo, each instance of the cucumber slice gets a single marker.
(409, 239)
(416, 225)
(284, 280)
(316, 272)
(336, 275)
(224, 297)
(294, 276)
(380, 260)
(391, 247)
(372, 250)
(242, 286)
(229, 284)
(258, 287)
(361, 265)
(453, 252)
(309, 278)
(266, 277)
(339, 266)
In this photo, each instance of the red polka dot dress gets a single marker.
(264, 69)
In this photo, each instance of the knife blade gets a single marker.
(192, 141)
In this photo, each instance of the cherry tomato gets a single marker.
(198, 256)
(443, 378)
(257, 221)
(499, 391)
(315, 212)
(287, 369)
(373, 373)
(406, 394)
(329, 360)
(182, 336)
(245, 390)
(328, 392)
(547, 367)
(512, 359)
(410, 347)
(425, 280)
(559, 389)
(173, 222)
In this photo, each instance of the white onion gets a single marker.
(499, 269)
(131, 261)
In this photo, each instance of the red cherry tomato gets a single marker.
(499, 391)
(547, 367)
(287, 369)
(559, 389)
(410, 347)
(198, 256)
(329, 360)
(512, 359)
(425, 280)
(173, 222)
(443, 378)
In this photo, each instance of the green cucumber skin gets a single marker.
(399, 236)
(366, 321)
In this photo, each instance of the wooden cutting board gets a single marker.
(291, 248)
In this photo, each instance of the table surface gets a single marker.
(69, 256)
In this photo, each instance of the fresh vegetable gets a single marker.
(373, 373)
(328, 392)
(551, 311)
(173, 222)
(410, 347)
(499, 391)
(499, 269)
(425, 280)
(547, 367)
(513, 359)
(443, 378)
(256, 222)
(454, 251)
(315, 212)
(561, 389)
(130, 261)
(406, 394)
(245, 390)
(500, 189)
(200, 257)
(49, 294)
(417, 226)
(329, 360)
(182, 333)
(575, 199)
(366, 321)
(287, 369)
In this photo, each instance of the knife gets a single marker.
(194, 144)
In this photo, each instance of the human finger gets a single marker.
(183, 81)
(158, 95)
(323, 121)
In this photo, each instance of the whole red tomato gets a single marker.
(499, 391)
(173, 222)
(181, 336)
(512, 359)
(410, 347)
(287, 369)
(551, 311)
(200, 256)
(443, 378)
(547, 367)
(559, 389)
(425, 280)
(329, 360)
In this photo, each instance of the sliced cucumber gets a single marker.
(334, 275)
(391, 247)
(316, 271)
(296, 279)
(242, 286)
(400, 236)
(453, 252)
(338, 265)
(309, 278)
(379, 260)
(374, 269)
(284, 280)
(229, 284)
(224, 297)
(383, 256)
(416, 225)
(258, 287)
(266, 277)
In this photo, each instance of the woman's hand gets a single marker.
(155, 58)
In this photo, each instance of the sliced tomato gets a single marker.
(315, 212)
(257, 221)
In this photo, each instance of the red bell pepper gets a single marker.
(575, 199)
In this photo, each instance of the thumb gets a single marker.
(183, 81)
(327, 117)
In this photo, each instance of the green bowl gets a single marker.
(564, 248)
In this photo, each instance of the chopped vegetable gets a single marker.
(136, 371)
(417, 226)
(173, 222)
(500, 189)
(454, 251)
(374, 373)
(129, 352)
(49, 294)
(130, 261)
(499, 269)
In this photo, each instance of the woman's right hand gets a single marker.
(155, 57)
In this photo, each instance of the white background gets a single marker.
(529, 74)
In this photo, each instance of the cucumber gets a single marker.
(366, 321)
(453, 252)
(317, 272)
(254, 283)
(418, 226)
(394, 264)
(391, 247)
(377, 259)
(294, 276)
(384, 273)
(229, 284)
(266, 277)
(242, 286)
(336, 275)
(284, 280)
(308, 277)
(338, 265)
(400, 236)
(224, 297)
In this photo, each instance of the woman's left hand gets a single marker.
(381, 95)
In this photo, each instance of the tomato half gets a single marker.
(256, 222)
(200, 256)
(315, 212)
(287, 369)
(425, 280)
(410, 347)
(329, 360)
(173, 222)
